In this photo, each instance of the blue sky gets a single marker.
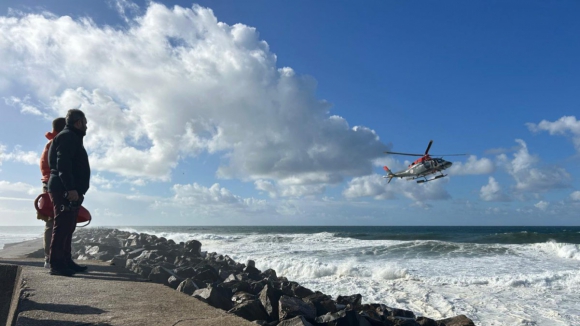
(277, 113)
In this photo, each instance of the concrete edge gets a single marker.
(10, 291)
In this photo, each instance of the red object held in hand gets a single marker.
(44, 206)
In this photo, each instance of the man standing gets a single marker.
(57, 126)
(70, 173)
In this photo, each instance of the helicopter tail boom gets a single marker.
(389, 175)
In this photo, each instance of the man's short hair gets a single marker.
(58, 124)
(74, 115)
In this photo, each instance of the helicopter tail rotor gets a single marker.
(389, 175)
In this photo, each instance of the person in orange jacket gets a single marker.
(58, 125)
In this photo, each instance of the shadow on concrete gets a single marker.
(99, 272)
(72, 309)
(25, 321)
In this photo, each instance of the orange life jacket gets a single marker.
(44, 168)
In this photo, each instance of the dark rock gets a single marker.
(142, 269)
(135, 253)
(301, 292)
(401, 321)
(186, 272)
(235, 277)
(424, 321)
(174, 282)
(269, 297)
(187, 287)
(159, 275)
(330, 317)
(241, 296)
(193, 246)
(215, 296)
(322, 302)
(257, 287)
(206, 275)
(296, 321)
(385, 311)
(460, 320)
(290, 307)
(237, 286)
(352, 301)
(269, 275)
(250, 310)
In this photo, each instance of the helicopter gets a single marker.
(422, 167)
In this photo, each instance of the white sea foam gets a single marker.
(494, 284)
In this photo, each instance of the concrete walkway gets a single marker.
(105, 295)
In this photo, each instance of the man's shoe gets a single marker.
(62, 271)
(46, 265)
(76, 267)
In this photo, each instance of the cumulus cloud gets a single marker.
(376, 186)
(17, 189)
(25, 106)
(368, 186)
(214, 201)
(563, 126)
(575, 196)
(17, 155)
(473, 166)
(177, 82)
(530, 178)
(492, 191)
(542, 205)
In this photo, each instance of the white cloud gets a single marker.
(369, 186)
(575, 196)
(542, 205)
(176, 83)
(376, 186)
(122, 6)
(530, 178)
(18, 189)
(560, 127)
(25, 106)
(492, 191)
(473, 166)
(17, 155)
(214, 201)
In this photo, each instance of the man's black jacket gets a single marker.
(69, 162)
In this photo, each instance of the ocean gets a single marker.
(494, 275)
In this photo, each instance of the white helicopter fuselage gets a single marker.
(421, 169)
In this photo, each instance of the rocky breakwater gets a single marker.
(241, 289)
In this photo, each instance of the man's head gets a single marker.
(58, 125)
(76, 118)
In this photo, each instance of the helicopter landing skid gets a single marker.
(435, 178)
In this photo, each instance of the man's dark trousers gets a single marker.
(65, 222)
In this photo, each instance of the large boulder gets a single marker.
(159, 275)
(322, 302)
(290, 307)
(250, 310)
(215, 296)
(187, 286)
(352, 301)
(460, 320)
(301, 292)
(269, 297)
(193, 246)
(296, 321)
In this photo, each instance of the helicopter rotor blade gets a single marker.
(428, 147)
(408, 154)
(449, 154)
